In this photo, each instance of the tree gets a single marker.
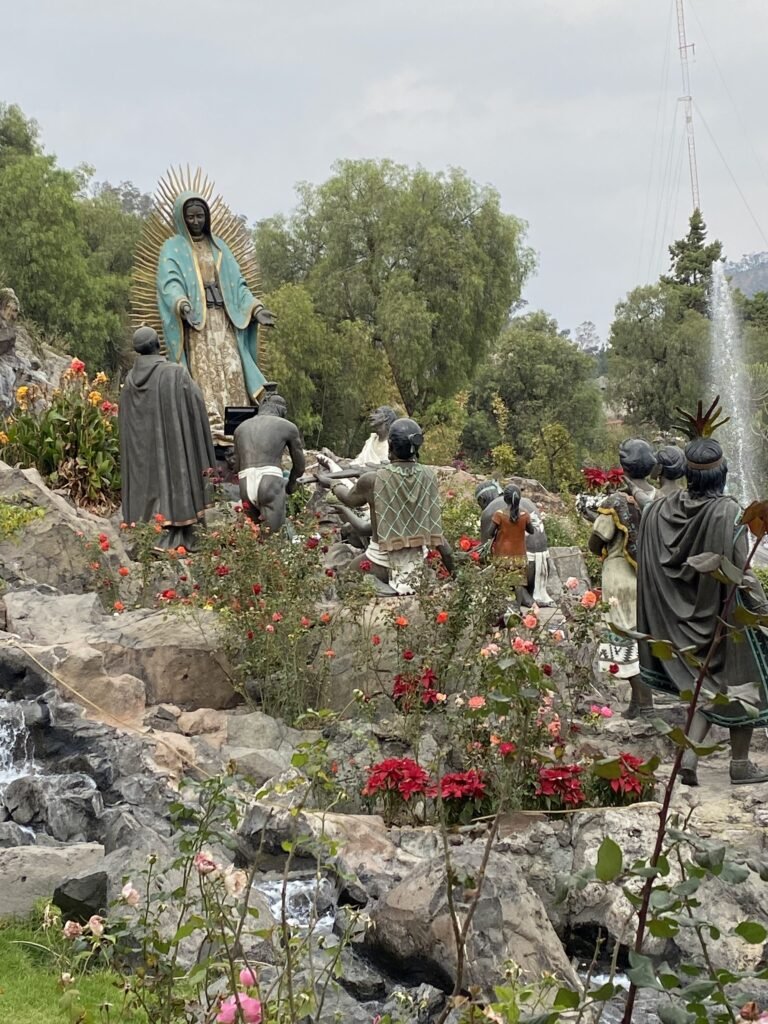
(426, 263)
(66, 252)
(19, 135)
(534, 379)
(691, 265)
(586, 338)
(327, 375)
(658, 356)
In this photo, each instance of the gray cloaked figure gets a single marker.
(166, 450)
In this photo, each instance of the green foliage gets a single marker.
(658, 357)
(659, 342)
(461, 518)
(328, 373)
(426, 263)
(14, 517)
(518, 393)
(504, 459)
(554, 460)
(691, 265)
(67, 256)
(71, 439)
(443, 424)
(265, 591)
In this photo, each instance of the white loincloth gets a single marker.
(541, 578)
(403, 567)
(374, 554)
(253, 476)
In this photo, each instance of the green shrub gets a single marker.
(72, 440)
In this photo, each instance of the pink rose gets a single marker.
(518, 645)
(205, 863)
(247, 977)
(589, 600)
(72, 930)
(572, 583)
(96, 925)
(130, 895)
(475, 703)
(530, 621)
(249, 1007)
(558, 636)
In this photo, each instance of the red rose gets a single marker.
(613, 669)
(547, 670)
(408, 655)
(375, 640)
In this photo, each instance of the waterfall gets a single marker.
(728, 378)
(15, 745)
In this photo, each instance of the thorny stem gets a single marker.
(704, 950)
(462, 931)
(647, 889)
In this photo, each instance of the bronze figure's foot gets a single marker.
(745, 773)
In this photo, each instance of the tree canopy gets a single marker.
(536, 388)
(659, 345)
(427, 264)
(66, 252)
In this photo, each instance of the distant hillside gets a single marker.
(750, 273)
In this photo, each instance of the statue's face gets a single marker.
(380, 423)
(10, 311)
(194, 218)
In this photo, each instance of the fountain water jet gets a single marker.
(728, 378)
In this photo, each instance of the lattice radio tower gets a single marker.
(687, 100)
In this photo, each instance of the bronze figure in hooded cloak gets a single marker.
(166, 450)
(676, 602)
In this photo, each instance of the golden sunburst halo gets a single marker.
(159, 227)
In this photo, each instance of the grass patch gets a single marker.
(30, 991)
(14, 517)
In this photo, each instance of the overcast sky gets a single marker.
(568, 107)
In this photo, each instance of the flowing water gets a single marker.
(306, 905)
(728, 378)
(15, 745)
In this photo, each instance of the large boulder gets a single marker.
(412, 928)
(50, 549)
(143, 656)
(31, 873)
(67, 806)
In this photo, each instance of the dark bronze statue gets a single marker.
(260, 443)
(166, 450)
(676, 602)
(405, 511)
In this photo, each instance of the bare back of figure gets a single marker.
(260, 444)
